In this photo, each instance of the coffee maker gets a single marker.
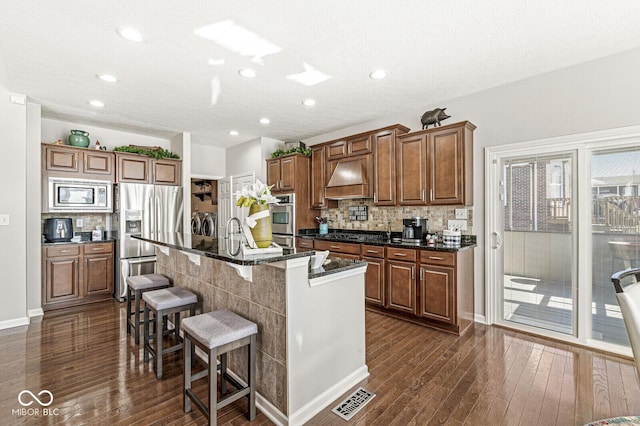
(414, 229)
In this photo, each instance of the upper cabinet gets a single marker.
(77, 162)
(134, 168)
(319, 179)
(384, 165)
(284, 172)
(435, 166)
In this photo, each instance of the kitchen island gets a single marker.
(311, 330)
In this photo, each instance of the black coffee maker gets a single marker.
(414, 229)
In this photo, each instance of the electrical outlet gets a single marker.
(5, 220)
(460, 225)
(461, 214)
(79, 223)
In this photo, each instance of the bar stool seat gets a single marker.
(217, 333)
(164, 302)
(136, 285)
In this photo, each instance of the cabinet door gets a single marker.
(401, 284)
(62, 159)
(318, 177)
(411, 163)
(98, 274)
(273, 174)
(62, 279)
(336, 150)
(133, 168)
(374, 281)
(446, 167)
(359, 145)
(98, 162)
(384, 169)
(436, 293)
(287, 174)
(167, 172)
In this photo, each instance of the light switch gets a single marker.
(461, 214)
(460, 225)
(79, 223)
(5, 220)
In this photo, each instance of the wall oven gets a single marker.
(283, 219)
(78, 195)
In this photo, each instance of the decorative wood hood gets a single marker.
(349, 179)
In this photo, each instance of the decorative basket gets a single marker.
(451, 238)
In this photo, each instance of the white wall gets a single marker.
(33, 209)
(52, 130)
(208, 161)
(596, 95)
(13, 187)
(251, 156)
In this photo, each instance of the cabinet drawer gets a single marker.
(372, 251)
(66, 250)
(406, 255)
(98, 248)
(305, 243)
(437, 257)
(336, 247)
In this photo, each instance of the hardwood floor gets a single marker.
(420, 376)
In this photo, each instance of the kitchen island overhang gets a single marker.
(311, 323)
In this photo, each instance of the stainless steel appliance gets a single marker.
(283, 221)
(58, 229)
(147, 210)
(283, 215)
(78, 195)
(414, 229)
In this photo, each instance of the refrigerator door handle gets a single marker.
(151, 216)
(158, 218)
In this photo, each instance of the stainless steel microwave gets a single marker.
(79, 195)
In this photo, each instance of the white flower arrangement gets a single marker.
(259, 193)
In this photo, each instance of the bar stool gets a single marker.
(217, 333)
(163, 303)
(136, 285)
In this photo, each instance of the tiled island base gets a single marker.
(306, 356)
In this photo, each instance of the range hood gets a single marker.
(348, 180)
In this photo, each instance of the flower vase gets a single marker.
(262, 231)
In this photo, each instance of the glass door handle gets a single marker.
(498, 240)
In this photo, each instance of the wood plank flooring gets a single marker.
(420, 376)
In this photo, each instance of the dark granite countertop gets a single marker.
(107, 240)
(216, 249)
(468, 241)
(334, 265)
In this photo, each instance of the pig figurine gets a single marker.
(433, 117)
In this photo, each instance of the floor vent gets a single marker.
(350, 406)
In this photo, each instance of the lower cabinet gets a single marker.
(374, 291)
(75, 274)
(401, 292)
(436, 293)
(343, 250)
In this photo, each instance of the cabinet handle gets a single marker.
(436, 258)
(98, 248)
(372, 251)
(413, 272)
(420, 274)
(334, 247)
(431, 195)
(400, 254)
(280, 184)
(422, 195)
(65, 251)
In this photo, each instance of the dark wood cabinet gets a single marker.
(76, 274)
(61, 274)
(74, 162)
(435, 166)
(376, 271)
(359, 145)
(401, 286)
(436, 293)
(338, 249)
(319, 179)
(384, 168)
(134, 168)
(336, 150)
(304, 243)
(283, 172)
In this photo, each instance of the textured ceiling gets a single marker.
(433, 50)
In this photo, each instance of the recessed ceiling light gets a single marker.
(107, 77)
(96, 103)
(265, 120)
(247, 73)
(233, 132)
(130, 34)
(308, 102)
(378, 74)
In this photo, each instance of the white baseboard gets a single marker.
(320, 402)
(480, 318)
(16, 322)
(35, 313)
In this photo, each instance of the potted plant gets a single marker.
(257, 226)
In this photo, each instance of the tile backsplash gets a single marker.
(90, 220)
(379, 216)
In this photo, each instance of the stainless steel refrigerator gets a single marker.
(141, 209)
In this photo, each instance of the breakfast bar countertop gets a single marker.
(216, 248)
